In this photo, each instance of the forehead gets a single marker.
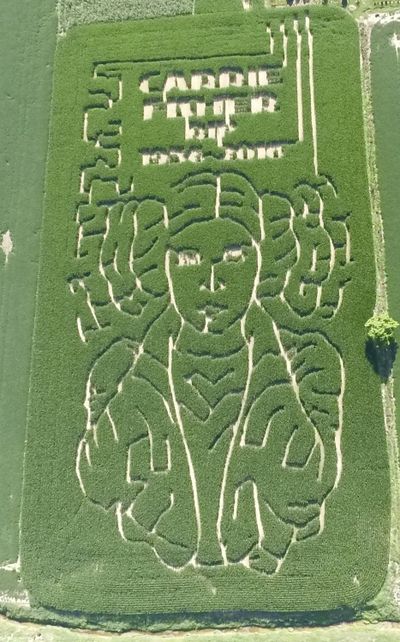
(211, 237)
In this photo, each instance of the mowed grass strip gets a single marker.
(385, 71)
(73, 553)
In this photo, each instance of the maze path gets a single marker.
(191, 275)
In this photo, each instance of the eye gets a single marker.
(233, 254)
(188, 257)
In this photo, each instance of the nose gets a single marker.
(212, 282)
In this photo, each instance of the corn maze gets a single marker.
(207, 260)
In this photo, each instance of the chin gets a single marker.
(218, 327)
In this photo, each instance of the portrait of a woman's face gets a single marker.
(213, 266)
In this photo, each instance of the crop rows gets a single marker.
(197, 399)
(84, 11)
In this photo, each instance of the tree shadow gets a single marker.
(381, 357)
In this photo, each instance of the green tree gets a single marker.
(380, 329)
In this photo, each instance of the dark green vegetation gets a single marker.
(136, 246)
(27, 43)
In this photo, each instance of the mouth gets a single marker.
(210, 313)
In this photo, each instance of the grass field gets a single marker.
(386, 93)
(197, 417)
(27, 44)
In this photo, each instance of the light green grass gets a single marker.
(27, 44)
(386, 103)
